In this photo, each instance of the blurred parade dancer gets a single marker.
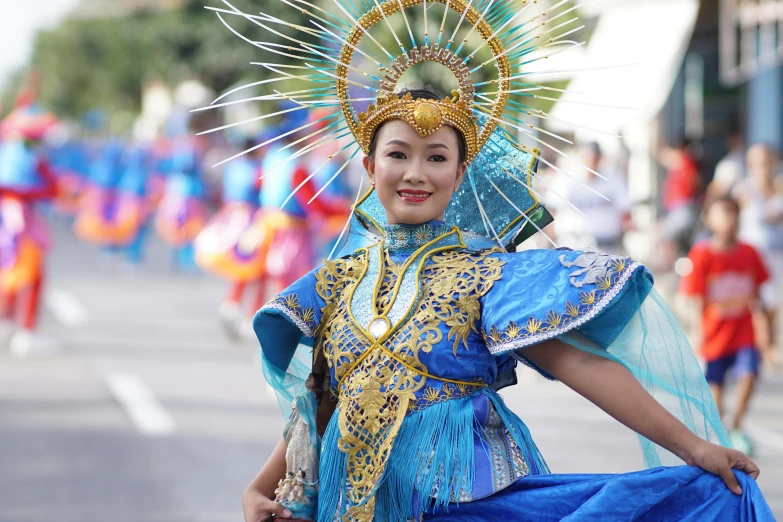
(181, 213)
(286, 211)
(96, 220)
(25, 177)
(727, 279)
(70, 164)
(229, 245)
(331, 208)
(133, 203)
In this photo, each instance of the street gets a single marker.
(135, 407)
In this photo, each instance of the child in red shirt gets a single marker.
(727, 276)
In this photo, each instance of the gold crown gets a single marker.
(425, 116)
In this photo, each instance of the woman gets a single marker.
(418, 428)
(424, 314)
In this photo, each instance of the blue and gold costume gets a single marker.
(415, 328)
(421, 329)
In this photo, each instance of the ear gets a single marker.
(460, 174)
(369, 167)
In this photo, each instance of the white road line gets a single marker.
(66, 308)
(765, 436)
(140, 404)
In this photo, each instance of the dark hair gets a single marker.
(422, 94)
(728, 200)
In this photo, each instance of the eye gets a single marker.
(438, 158)
(396, 154)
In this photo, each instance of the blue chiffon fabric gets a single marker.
(680, 493)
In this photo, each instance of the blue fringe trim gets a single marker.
(331, 471)
(442, 433)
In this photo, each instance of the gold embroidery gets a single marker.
(384, 379)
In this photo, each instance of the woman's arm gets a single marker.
(611, 387)
(258, 502)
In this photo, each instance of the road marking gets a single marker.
(765, 436)
(66, 308)
(140, 404)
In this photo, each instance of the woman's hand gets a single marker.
(258, 508)
(720, 461)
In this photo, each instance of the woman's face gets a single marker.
(414, 177)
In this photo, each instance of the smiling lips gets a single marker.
(414, 196)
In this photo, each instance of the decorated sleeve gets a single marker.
(544, 294)
(290, 318)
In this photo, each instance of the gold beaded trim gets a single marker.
(425, 116)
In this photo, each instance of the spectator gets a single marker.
(761, 217)
(726, 281)
(680, 200)
(730, 170)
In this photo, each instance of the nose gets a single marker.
(414, 175)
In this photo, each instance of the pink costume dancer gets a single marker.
(25, 177)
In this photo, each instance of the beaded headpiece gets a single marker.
(340, 47)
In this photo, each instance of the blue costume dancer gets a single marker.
(425, 312)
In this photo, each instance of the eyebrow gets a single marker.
(430, 146)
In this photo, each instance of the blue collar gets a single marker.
(408, 238)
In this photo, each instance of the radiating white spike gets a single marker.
(461, 18)
(408, 25)
(549, 189)
(547, 116)
(267, 142)
(270, 47)
(523, 42)
(344, 79)
(265, 97)
(569, 44)
(318, 8)
(530, 125)
(310, 77)
(484, 215)
(507, 37)
(487, 40)
(241, 13)
(355, 48)
(478, 21)
(443, 21)
(338, 62)
(308, 178)
(388, 24)
(257, 118)
(348, 221)
(366, 33)
(556, 71)
(334, 176)
(426, 29)
(321, 142)
(549, 146)
(567, 174)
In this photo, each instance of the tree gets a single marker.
(89, 63)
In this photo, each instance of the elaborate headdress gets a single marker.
(483, 44)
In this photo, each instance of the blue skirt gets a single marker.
(680, 493)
